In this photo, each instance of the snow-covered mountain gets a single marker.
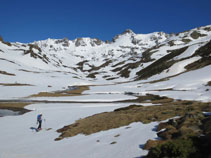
(114, 74)
(57, 63)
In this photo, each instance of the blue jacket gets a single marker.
(39, 117)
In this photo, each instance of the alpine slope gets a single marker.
(68, 80)
(130, 62)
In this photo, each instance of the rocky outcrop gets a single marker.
(65, 42)
(187, 136)
(80, 42)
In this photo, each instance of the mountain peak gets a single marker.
(129, 31)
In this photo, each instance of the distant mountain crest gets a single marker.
(127, 57)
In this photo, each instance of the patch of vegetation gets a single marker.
(6, 73)
(124, 116)
(180, 148)
(160, 65)
(204, 52)
(124, 71)
(81, 64)
(92, 75)
(19, 107)
(36, 72)
(62, 93)
(184, 127)
(8, 60)
(189, 135)
(14, 84)
(94, 68)
(205, 61)
(196, 35)
(209, 83)
(112, 78)
(186, 40)
(146, 55)
(120, 63)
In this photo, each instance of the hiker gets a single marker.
(39, 121)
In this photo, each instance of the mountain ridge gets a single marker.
(129, 57)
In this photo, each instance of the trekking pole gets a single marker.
(45, 126)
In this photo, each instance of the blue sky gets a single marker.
(29, 20)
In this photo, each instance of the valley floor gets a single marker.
(18, 140)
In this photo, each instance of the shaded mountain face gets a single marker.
(128, 57)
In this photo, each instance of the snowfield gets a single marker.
(18, 140)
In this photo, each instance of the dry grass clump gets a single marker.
(125, 116)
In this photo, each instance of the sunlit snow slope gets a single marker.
(141, 63)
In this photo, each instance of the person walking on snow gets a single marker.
(39, 121)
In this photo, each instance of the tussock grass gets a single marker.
(124, 116)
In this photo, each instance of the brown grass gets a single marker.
(14, 106)
(209, 83)
(14, 84)
(6, 73)
(75, 92)
(124, 116)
